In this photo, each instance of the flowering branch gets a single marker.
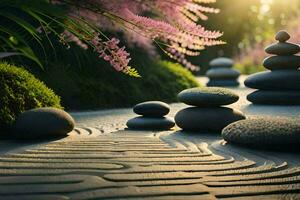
(173, 25)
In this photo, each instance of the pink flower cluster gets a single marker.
(111, 52)
(173, 24)
(181, 59)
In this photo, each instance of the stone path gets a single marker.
(100, 160)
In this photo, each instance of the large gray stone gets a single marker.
(222, 73)
(221, 62)
(282, 36)
(207, 96)
(275, 80)
(282, 48)
(152, 109)
(264, 132)
(43, 122)
(282, 62)
(207, 119)
(222, 83)
(275, 97)
(149, 123)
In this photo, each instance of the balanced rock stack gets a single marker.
(221, 73)
(208, 113)
(152, 118)
(281, 85)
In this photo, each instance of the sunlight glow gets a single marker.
(265, 6)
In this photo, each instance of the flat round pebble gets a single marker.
(275, 80)
(266, 97)
(212, 119)
(264, 133)
(147, 123)
(222, 73)
(221, 62)
(282, 62)
(283, 48)
(207, 96)
(43, 122)
(282, 36)
(152, 109)
(222, 83)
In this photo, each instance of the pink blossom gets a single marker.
(174, 25)
(111, 52)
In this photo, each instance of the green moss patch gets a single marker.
(21, 91)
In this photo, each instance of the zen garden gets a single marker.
(149, 99)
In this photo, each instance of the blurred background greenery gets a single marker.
(248, 26)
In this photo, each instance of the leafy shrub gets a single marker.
(21, 91)
(98, 86)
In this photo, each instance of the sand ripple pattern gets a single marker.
(139, 165)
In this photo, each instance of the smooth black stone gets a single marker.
(275, 97)
(275, 80)
(282, 48)
(222, 73)
(149, 123)
(222, 83)
(277, 133)
(282, 36)
(282, 62)
(43, 122)
(221, 62)
(212, 119)
(207, 96)
(152, 109)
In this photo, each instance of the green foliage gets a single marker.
(248, 67)
(21, 91)
(27, 27)
(133, 72)
(99, 86)
(19, 25)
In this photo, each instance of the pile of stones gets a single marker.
(281, 85)
(207, 113)
(152, 116)
(221, 73)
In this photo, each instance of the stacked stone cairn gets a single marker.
(221, 73)
(280, 85)
(207, 113)
(152, 116)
